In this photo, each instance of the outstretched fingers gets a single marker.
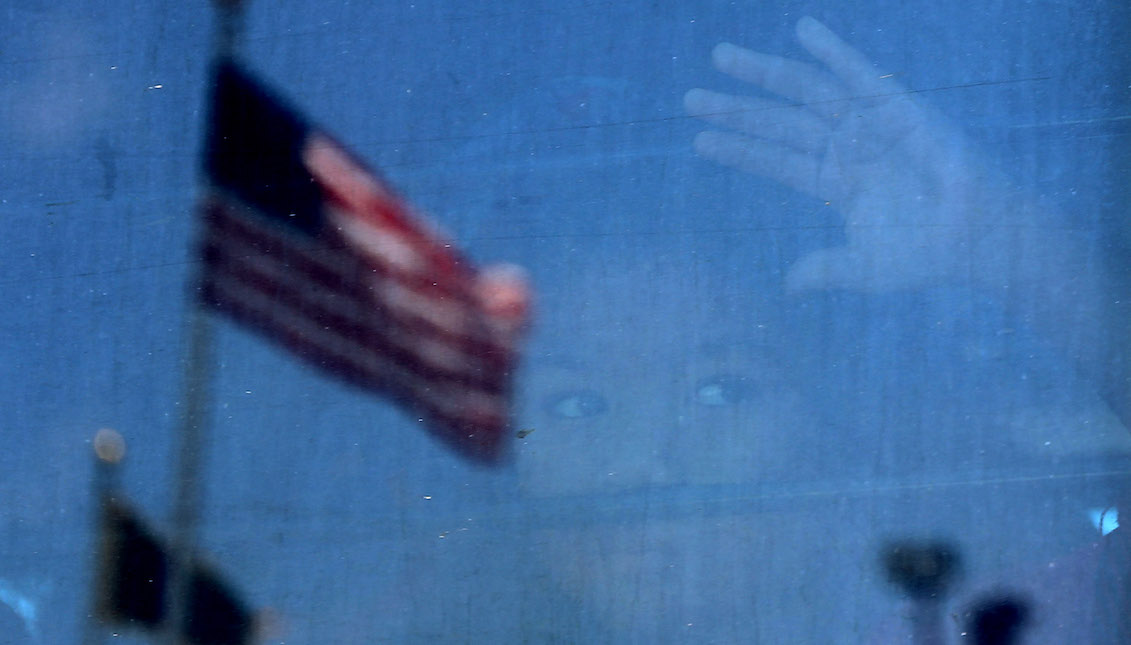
(771, 120)
(890, 103)
(799, 82)
(775, 161)
(849, 65)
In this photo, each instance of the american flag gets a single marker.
(304, 243)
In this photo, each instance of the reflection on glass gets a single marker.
(867, 305)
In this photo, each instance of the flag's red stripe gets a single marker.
(337, 270)
(358, 320)
(245, 274)
(302, 336)
(333, 263)
(322, 335)
(365, 347)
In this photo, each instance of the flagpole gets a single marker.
(229, 27)
(109, 450)
(193, 440)
(193, 431)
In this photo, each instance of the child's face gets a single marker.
(653, 369)
(654, 402)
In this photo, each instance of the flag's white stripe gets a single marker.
(451, 317)
(384, 247)
(368, 200)
(381, 245)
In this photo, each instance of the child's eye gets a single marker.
(576, 404)
(723, 389)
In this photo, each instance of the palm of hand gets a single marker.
(906, 195)
(907, 186)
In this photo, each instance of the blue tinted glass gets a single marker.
(828, 339)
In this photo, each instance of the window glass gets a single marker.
(829, 332)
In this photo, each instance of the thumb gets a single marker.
(837, 268)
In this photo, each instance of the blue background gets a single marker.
(553, 135)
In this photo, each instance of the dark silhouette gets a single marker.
(997, 620)
(923, 570)
(135, 581)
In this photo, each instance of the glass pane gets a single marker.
(829, 338)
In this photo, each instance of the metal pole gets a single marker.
(109, 450)
(193, 431)
(193, 441)
(229, 27)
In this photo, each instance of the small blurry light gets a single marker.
(504, 291)
(1105, 520)
(722, 390)
(577, 404)
(109, 446)
(269, 625)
